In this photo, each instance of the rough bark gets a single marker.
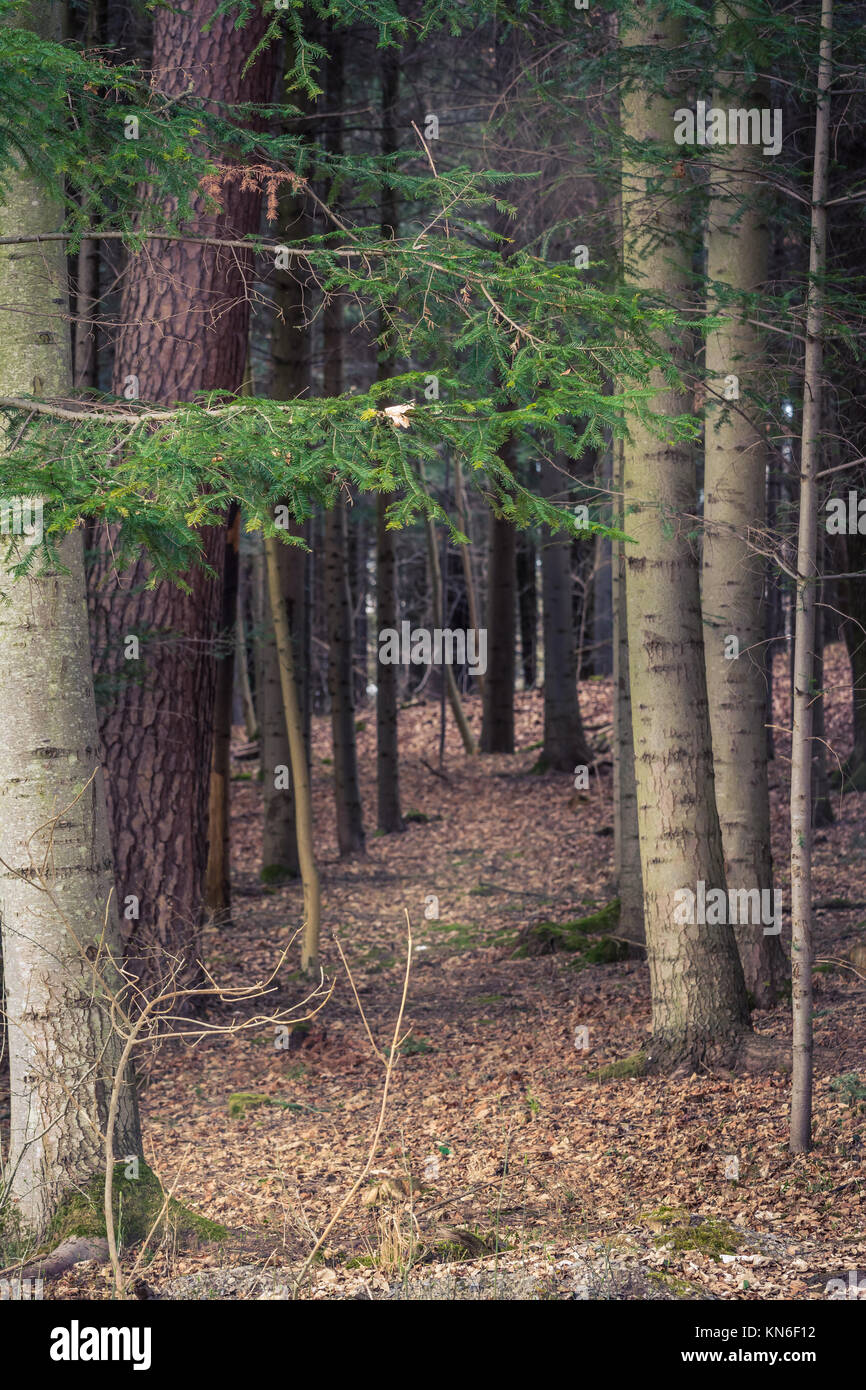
(61, 937)
(735, 510)
(184, 316)
(626, 840)
(699, 1004)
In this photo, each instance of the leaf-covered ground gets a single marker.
(500, 1149)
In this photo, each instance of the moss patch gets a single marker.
(544, 938)
(635, 1065)
(712, 1237)
(136, 1204)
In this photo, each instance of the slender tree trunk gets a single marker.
(389, 813)
(497, 726)
(299, 767)
(466, 558)
(156, 725)
(698, 992)
(804, 636)
(60, 929)
(279, 833)
(565, 745)
(735, 510)
(527, 606)
(626, 840)
(217, 885)
(435, 588)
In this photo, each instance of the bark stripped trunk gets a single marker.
(735, 509)
(184, 317)
(61, 936)
(804, 636)
(698, 992)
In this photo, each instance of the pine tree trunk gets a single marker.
(217, 884)
(389, 814)
(565, 745)
(735, 510)
(279, 835)
(497, 725)
(698, 992)
(804, 637)
(61, 936)
(299, 765)
(156, 725)
(626, 840)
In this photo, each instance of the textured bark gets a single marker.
(184, 329)
(804, 637)
(698, 993)
(61, 938)
(217, 886)
(735, 510)
(497, 726)
(565, 744)
(626, 840)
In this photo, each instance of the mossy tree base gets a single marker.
(137, 1205)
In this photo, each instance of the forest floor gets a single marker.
(497, 1137)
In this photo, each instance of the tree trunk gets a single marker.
(279, 835)
(61, 936)
(565, 745)
(735, 510)
(804, 636)
(698, 992)
(299, 766)
(497, 726)
(626, 840)
(217, 885)
(527, 606)
(184, 315)
(389, 815)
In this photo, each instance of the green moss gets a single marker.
(635, 1065)
(242, 1101)
(543, 938)
(136, 1204)
(712, 1237)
